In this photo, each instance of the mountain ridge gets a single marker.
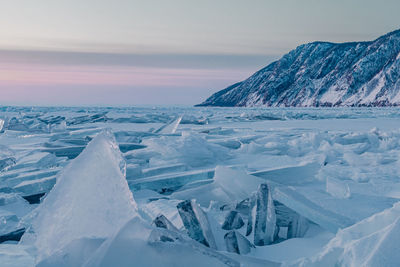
(321, 73)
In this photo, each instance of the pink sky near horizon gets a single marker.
(25, 74)
(40, 83)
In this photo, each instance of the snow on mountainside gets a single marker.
(323, 74)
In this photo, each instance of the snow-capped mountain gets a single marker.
(323, 74)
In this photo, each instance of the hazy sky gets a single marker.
(128, 52)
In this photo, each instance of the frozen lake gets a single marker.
(331, 181)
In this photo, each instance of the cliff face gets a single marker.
(323, 74)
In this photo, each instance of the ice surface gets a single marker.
(15, 256)
(91, 184)
(163, 169)
(19, 177)
(237, 243)
(34, 187)
(171, 181)
(12, 209)
(328, 169)
(8, 222)
(371, 242)
(14, 203)
(76, 253)
(291, 175)
(337, 188)
(48, 161)
(190, 149)
(295, 201)
(71, 152)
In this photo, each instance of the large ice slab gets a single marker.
(292, 175)
(14, 203)
(34, 187)
(228, 187)
(171, 181)
(90, 199)
(70, 152)
(329, 220)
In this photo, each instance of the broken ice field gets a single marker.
(176, 186)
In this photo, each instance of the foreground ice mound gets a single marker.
(90, 199)
(371, 242)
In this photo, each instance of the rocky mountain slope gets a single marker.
(323, 74)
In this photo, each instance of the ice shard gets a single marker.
(90, 199)
(264, 217)
(8, 222)
(233, 220)
(12, 236)
(196, 223)
(169, 128)
(7, 163)
(162, 222)
(237, 243)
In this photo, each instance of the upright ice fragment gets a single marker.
(196, 222)
(264, 217)
(90, 199)
(169, 128)
(233, 220)
(162, 222)
(237, 243)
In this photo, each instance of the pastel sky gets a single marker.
(156, 52)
